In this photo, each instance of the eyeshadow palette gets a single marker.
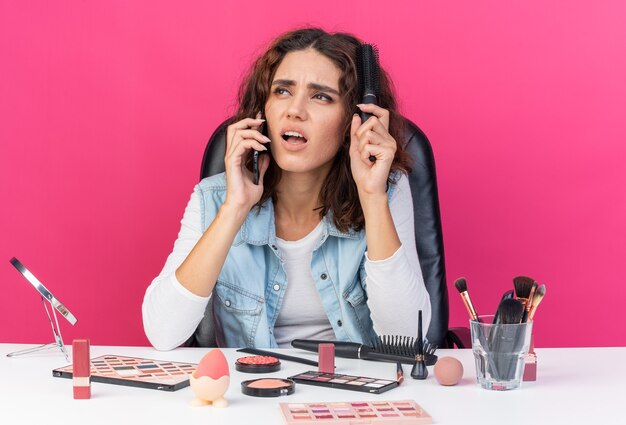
(345, 382)
(403, 412)
(136, 372)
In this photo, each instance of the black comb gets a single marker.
(406, 347)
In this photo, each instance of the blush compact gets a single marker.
(257, 364)
(268, 387)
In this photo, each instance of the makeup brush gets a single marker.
(523, 286)
(539, 294)
(510, 311)
(506, 295)
(505, 340)
(399, 373)
(461, 285)
(419, 370)
(529, 302)
(368, 77)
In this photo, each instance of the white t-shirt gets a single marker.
(301, 315)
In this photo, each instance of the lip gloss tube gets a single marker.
(81, 372)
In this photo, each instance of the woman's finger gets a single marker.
(244, 124)
(373, 124)
(235, 158)
(369, 138)
(381, 113)
(251, 134)
(354, 127)
(381, 153)
(246, 145)
(264, 164)
(374, 138)
(241, 135)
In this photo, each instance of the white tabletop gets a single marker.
(574, 386)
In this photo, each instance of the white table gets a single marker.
(574, 386)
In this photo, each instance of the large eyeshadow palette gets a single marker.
(345, 382)
(402, 412)
(136, 372)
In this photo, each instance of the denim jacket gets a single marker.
(250, 288)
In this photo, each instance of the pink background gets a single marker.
(106, 108)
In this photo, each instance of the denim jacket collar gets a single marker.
(259, 227)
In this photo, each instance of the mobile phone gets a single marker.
(255, 167)
(256, 154)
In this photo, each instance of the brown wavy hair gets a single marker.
(339, 194)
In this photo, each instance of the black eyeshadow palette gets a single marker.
(345, 382)
(136, 372)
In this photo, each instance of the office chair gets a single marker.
(428, 235)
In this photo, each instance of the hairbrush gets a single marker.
(368, 76)
(389, 348)
(405, 346)
(429, 349)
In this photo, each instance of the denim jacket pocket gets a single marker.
(237, 299)
(355, 295)
(357, 299)
(237, 313)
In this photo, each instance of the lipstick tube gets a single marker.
(81, 369)
(326, 358)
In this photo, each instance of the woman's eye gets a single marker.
(280, 90)
(322, 96)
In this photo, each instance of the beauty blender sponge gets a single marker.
(213, 365)
(448, 371)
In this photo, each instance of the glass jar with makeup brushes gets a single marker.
(499, 352)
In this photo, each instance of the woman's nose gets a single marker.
(297, 107)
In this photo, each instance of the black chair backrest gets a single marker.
(428, 234)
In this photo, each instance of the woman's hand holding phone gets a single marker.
(200, 270)
(242, 138)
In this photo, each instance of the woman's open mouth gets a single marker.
(293, 137)
(293, 140)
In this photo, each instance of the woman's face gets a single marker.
(304, 112)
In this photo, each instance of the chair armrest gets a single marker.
(459, 337)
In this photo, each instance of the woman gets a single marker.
(323, 247)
